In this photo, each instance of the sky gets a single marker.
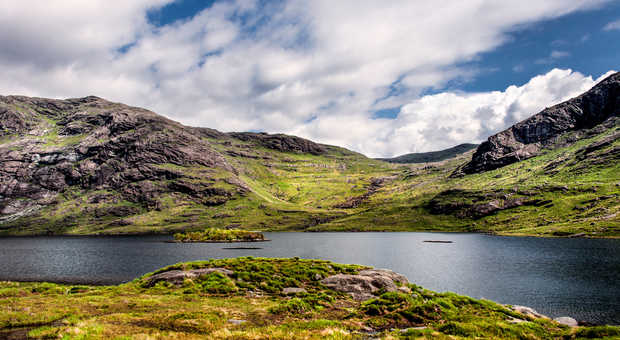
(383, 78)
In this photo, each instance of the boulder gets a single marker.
(177, 277)
(567, 321)
(292, 290)
(528, 311)
(366, 283)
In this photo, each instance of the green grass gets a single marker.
(216, 235)
(283, 191)
(202, 308)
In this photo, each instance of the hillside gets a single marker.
(89, 166)
(599, 107)
(433, 156)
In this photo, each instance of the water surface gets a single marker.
(557, 277)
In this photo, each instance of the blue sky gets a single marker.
(591, 50)
(381, 78)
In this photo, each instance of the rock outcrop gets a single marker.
(526, 139)
(177, 277)
(567, 321)
(366, 283)
(49, 147)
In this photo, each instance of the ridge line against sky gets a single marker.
(380, 78)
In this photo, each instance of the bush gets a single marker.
(216, 283)
(214, 234)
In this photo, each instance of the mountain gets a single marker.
(90, 166)
(598, 106)
(433, 156)
(85, 165)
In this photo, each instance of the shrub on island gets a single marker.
(220, 235)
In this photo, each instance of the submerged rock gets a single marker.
(364, 285)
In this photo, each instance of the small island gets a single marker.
(215, 235)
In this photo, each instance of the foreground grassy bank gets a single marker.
(248, 299)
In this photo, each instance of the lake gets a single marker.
(557, 277)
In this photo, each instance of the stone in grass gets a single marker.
(567, 321)
(292, 290)
(237, 322)
(177, 277)
(366, 283)
(528, 311)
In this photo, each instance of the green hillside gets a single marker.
(166, 178)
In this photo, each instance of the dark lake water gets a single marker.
(557, 277)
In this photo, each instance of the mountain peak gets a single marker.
(599, 105)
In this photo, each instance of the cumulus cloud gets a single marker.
(443, 120)
(614, 25)
(314, 68)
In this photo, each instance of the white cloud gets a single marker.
(559, 54)
(553, 56)
(614, 25)
(443, 120)
(315, 68)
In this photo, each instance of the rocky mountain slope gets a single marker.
(126, 157)
(90, 166)
(433, 156)
(600, 105)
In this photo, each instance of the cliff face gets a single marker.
(600, 105)
(50, 147)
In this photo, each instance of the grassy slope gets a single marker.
(290, 191)
(201, 309)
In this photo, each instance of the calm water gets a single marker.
(575, 277)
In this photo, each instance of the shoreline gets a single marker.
(218, 241)
(490, 233)
(236, 268)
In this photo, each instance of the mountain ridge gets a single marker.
(431, 156)
(90, 166)
(527, 138)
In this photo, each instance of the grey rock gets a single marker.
(516, 321)
(364, 285)
(567, 321)
(237, 322)
(527, 138)
(177, 277)
(528, 311)
(292, 290)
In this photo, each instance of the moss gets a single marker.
(202, 307)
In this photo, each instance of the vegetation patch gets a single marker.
(249, 304)
(220, 235)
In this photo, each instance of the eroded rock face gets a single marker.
(49, 146)
(92, 144)
(525, 139)
(364, 285)
(177, 277)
